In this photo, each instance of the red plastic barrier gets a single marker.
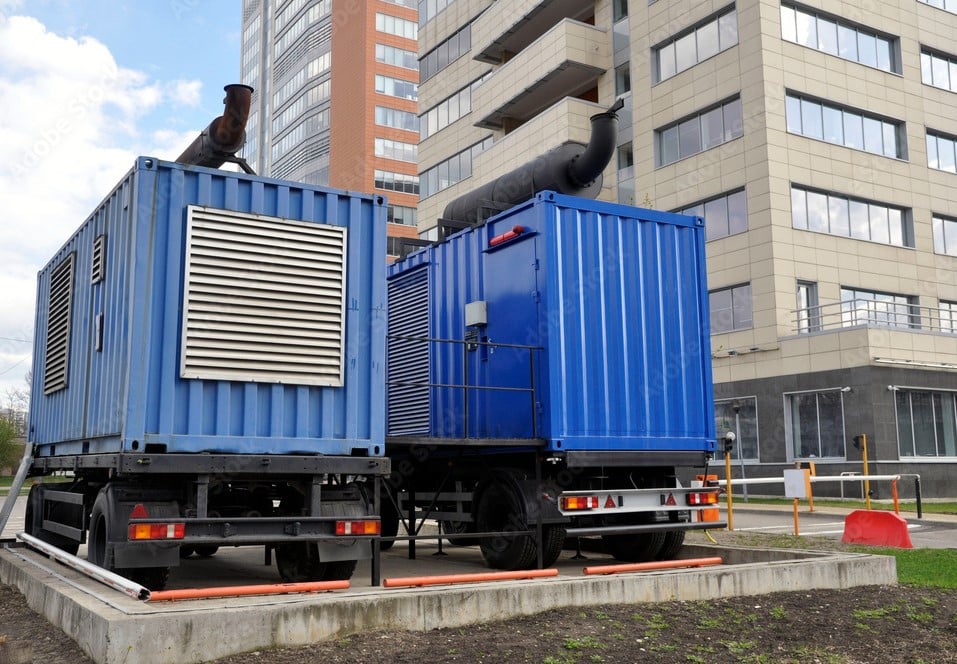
(876, 528)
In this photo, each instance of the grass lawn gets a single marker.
(907, 506)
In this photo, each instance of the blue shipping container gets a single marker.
(581, 322)
(199, 310)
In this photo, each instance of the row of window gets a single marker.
(949, 5)
(698, 44)
(850, 217)
(454, 169)
(815, 429)
(390, 149)
(392, 55)
(313, 97)
(400, 214)
(459, 44)
(308, 127)
(701, 131)
(290, 9)
(393, 25)
(941, 152)
(945, 235)
(842, 126)
(312, 69)
(838, 37)
(723, 215)
(316, 12)
(447, 111)
(428, 9)
(408, 184)
(396, 87)
(393, 117)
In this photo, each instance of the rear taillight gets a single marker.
(709, 498)
(157, 531)
(573, 503)
(365, 527)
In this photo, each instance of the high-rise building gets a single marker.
(817, 139)
(335, 97)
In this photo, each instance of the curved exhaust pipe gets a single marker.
(225, 135)
(571, 168)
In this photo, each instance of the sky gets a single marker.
(86, 86)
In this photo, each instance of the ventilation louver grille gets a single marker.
(409, 360)
(264, 299)
(98, 271)
(59, 308)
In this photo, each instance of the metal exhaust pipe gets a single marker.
(225, 135)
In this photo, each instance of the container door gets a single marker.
(502, 403)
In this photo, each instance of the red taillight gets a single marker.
(709, 498)
(157, 531)
(572, 503)
(368, 527)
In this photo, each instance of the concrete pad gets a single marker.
(113, 628)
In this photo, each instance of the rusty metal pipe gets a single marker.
(225, 135)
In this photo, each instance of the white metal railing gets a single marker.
(874, 313)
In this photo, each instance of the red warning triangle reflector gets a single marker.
(610, 503)
(671, 500)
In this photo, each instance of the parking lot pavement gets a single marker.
(938, 531)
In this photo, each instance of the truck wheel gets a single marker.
(500, 510)
(340, 570)
(97, 537)
(33, 520)
(634, 548)
(206, 551)
(299, 561)
(674, 539)
(185, 552)
(457, 533)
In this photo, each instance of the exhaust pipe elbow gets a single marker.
(587, 167)
(226, 134)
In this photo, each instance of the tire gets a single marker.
(674, 539)
(340, 570)
(33, 520)
(153, 578)
(457, 533)
(554, 537)
(185, 552)
(500, 510)
(634, 547)
(207, 550)
(298, 562)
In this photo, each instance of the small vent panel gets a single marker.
(56, 361)
(408, 371)
(264, 299)
(98, 270)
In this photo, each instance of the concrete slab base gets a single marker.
(113, 628)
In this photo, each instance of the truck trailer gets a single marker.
(209, 370)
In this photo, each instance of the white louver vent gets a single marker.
(98, 270)
(56, 359)
(264, 299)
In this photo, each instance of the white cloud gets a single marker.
(71, 124)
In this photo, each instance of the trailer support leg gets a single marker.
(18, 481)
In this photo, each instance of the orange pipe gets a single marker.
(659, 564)
(897, 507)
(237, 591)
(468, 578)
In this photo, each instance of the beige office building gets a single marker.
(817, 139)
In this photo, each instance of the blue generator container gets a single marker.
(199, 310)
(580, 322)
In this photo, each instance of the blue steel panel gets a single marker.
(615, 297)
(129, 395)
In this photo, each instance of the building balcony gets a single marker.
(566, 61)
(507, 28)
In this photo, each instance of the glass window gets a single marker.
(716, 217)
(799, 208)
(880, 231)
(806, 29)
(838, 216)
(737, 212)
(945, 235)
(815, 424)
(733, 120)
(728, 30)
(926, 69)
(686, 54)
(827, 36)
(867, 49)
(860, 222)
(707, 40)
(853, 131)
(833, 125)
(788, 24)
(812, 124)
(817, 212)
(689, 137)
(945, 154)
(847, 42)
(712, 128)
(873, 135)
(741, 417)
(793, 110)
(669, 145)
(836, 37)
(730, 309)
(622, 79)
(926, 423)
(808, 313)
(940, 73)
(666, 62)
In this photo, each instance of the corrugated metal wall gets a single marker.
(130, 395)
